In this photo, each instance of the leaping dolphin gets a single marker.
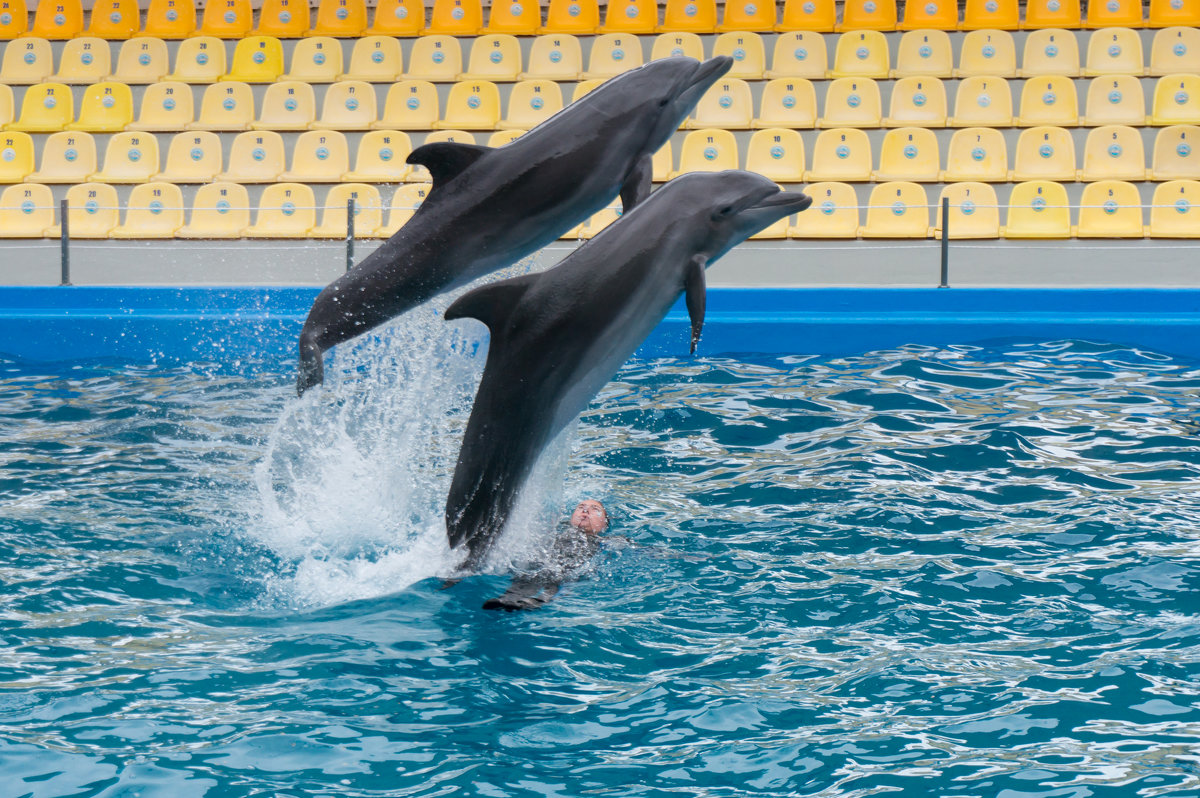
(490, 207)
(557, 337)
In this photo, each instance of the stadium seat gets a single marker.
(727, 104)
(502, 138)
(861, 54)
(747, 51)
(257, 59)
(777, 230)
(867, 15)
(1114, 51)
(1169, 13)
(340, 18)
(256, 156)
(435, 58)
(976, 154)
(495, 57)
(662, 163)
(471, 105)
(747, 15)
(1175, 50)
(93, 210)
(1048, 100)
(787, 102)
(594, 224)
(1175, 153)
(1051, 14)
(1114, 152)
(16, 157)
(166, 106)
(1110, 209)
(517, 17)
(1044, 153)
(219, 210)
(1050, 52)
(199, 60)
(578, 17)
(381, 158)
(843, 155)
(554, 57)
(667, 45)
(987, 53)
(317, 59)
(397, 18)
(630, 16)
(368, 211)
(974, 212)
(924, 53)
(67, 157)
(612, 54)
(285, 210)
(1114, 13)
(933, 15)
(105, 108)
(286, 19)
(192, 157)
(410, 105)
(531, 103)
(897, 210)
(799, 54)
(26, 211)
(1038, 209)
(226, 19)
(689, 16)
(920, 102)
(834, 213)
(142, 60)
(709, 150)
(776, 154)
(909, 153)
(991, 15)
(114, 20)
(129, 158)
(348, 105)
(26, 61)
(287, 105)
(8, 110)
(14, 19)
(225, 106)
(170, 19)
(45, 108)
(405, 202)
(84, 60)
(1114, 100)
(455, 18)
(59, 20)
(818, 16)
(319, 156)
(1176, 100)
(583, 87)
(852, 102)
(1175, 210)
(154, 210)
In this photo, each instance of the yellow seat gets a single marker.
(27, 61)
(689, 16)
(349, 105)
(405, 202)
(920, 102)
(518, 17)
(579, 17)
(226, 19)
(192, 157)
(16, 156)
(748, 15)
(502, 138)
(787, 102)
(727, 104)
(375, 59)
(256, 156)
(1049, 100)
(84, 60)
(368, 211)
(974, 211)
(991, 15)
(455, 18)
(776, 154)
(8, 110)
(1115, 100)
(225, 106)
(340, 18)
(26, 211)
(219, 210)
(93, 210)
(287, 105)
(285, 210)
(319, 156)
(1114, 13)
(799, 54)
(662, 164)
(834, 213)
(630, 16)
(1175, 154)
(1114, 51)
(495, 57)
(67, 157)
(982, 102)
(1044, 153)
(612, 54)
(818, 16)
(843, 155)
(987, 53)
(584, 86)
(142, 60)
(1175, 210)
(670, 45)
(599, 220)
(897, 210)
(1114, 152)
(1168, 13)
(977, 154)
(381, 158)
(531, 103)
(776, 230)
(170, 19)
(59, 20)
(747, 51)
(1050, 52)
(935, 15)
(909, 153)
(14, 19)
(924, 53)
(1051, 14)
(1176, 100)
(1110, 209)
(257, 59)
(286, 19)
(709, 150)
(435, 58)
(397, 18)
(867, 15)
(861, 54)
(199, 60)
(1175, 50)
(852, 102)
(410, 105)
(129, 158)
(45, 108)
(471, 105)
(154, 210)
(114, 19)
(556, 57)
(166, 106)
(1038, 209)
(106, 108)
(317, 59)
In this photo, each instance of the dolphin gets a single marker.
(557, 337)
(490, 207)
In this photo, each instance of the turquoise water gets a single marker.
(968, 571)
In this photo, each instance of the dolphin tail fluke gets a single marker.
(696, 296)
(312, 365)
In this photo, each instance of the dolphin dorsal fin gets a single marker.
(445, 159)
(491, 304)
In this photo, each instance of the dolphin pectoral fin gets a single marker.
(695, 294)
(637, 183)
(312, 369)
(491, 304)
(445, 159)
(523, 594)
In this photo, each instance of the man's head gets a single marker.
(590, 517)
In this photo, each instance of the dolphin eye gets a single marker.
(663, 102)
(722, 213)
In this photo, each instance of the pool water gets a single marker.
(962, 571)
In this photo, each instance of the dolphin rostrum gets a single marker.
(490, 207)
(557, 337)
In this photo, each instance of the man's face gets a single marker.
(590, 517)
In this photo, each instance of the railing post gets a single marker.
(349, 234)
(65, 225)
(945, 283)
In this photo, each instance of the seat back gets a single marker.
(777, 154)
(1053, 51)
(131, 157)
(495, 57)
(917, 101)
(114, 19)
(862, 54)
(348, 105)
(287, 105)
(84, 60)
(909, 153)
(747, 51)
(973, 211)
(977, 154)
(227, 19)
(991, 15)
(199, 60)
(256, 156)
(167, 105)
(192, 157)
(472, 105)
(257, 59)
(843, 155)
(27, 60)
(982, 102)
(799, 54)
(1175, 210)
(1038, 209)
(456, 17)
(1176, 154)
(1044, 153)
(319, 156)
(852, 102)
(1110, 209)
(834, 212)
(1115, 99)
(287, 19)
(316, 59)
(991, 53)
(819, 16)
(219, 210)
(345, 18)
(924, 53)
(435, 58)
(709, 150)
(58, 20)
(143, 59)
(397, 18)
(45, 108)
(788, 102)
(410, 105)
(898, 209)
(170, 19)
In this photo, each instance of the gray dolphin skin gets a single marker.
(490, 207)
(557, 337)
